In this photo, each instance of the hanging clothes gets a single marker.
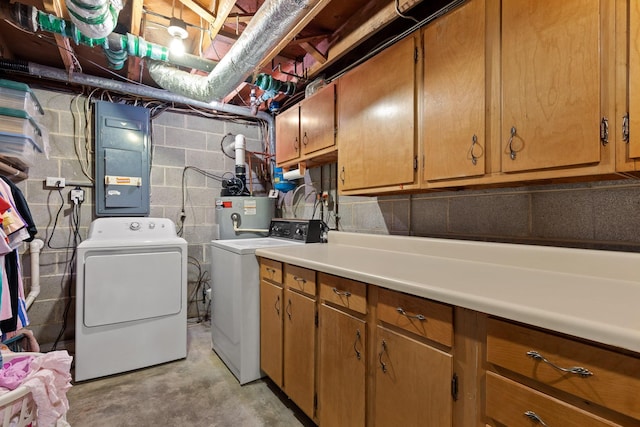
(17, 227)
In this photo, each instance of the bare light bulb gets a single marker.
(176, 46)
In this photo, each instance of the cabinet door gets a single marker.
(550, 84)
(341, 394)
(299, 350)
(413, 382)
(454, 94)
(288, 135)
(271, 307)
(376, 120)
(317, 120)
(634, 79)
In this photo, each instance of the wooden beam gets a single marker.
(315, 10)
(58, 8)
(200, 10)
(134, 69)
(358, 29)
(311, 50)
(221, 13)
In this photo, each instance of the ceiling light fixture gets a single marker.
(178, 31)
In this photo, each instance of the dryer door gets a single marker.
(126, 286)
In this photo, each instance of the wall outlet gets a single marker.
(77, 195)
(54, 182)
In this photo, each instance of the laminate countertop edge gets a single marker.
(594, 307)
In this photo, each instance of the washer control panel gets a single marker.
(304, 230)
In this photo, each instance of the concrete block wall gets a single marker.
(178, 140)
(600, 215)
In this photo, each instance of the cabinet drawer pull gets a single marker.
(383, 349)
(512, 152)
(410, 316)
(271, 271)
(534, 417)
(288, 309)
(341, 293)
(300, 279)
(355, 344)
(577, 370)
(277, 305)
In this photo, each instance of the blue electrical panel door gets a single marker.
(123, 149)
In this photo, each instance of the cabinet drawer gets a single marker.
(300, 279)
(271, 270)
(414, 314)
(513, 404)
(343, 292)
(611, 379)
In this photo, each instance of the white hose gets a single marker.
(34, 248)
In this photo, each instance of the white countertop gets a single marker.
(586, 293)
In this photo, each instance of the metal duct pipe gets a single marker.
(56, 74)
(274, 20)
(94, 18)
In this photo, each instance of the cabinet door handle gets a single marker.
(305, 139)
(341, 293)
(277, 305)
(355, 344)
(474, 158)
(296, 144)
(342, 175)
(288, 309)
(534, 417)
(383, 349)
(577, 370)
(411, 316)
(512, 152)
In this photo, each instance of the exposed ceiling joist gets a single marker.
(313, 51)
(58, 8)
(134, 64)
(222, 11)
(200, 10)
(315, 10)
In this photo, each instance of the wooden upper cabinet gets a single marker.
(376, 120)
(317, 120)
(634, 79)
(288, 135)
(454, 94)
(551, 80)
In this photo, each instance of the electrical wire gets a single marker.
(69, 272)
(202, 284)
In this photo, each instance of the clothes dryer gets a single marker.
(131, 296)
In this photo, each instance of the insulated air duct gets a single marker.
(273, 21)
(94, 18)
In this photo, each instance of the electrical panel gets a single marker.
(123, 152)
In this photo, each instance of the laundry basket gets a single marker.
(17, 408)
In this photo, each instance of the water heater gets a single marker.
(240, 217)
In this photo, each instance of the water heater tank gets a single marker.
(252, 216)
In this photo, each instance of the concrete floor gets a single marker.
(198, 391)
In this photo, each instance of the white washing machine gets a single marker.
(235, 296)
(131, 296)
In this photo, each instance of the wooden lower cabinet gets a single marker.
(412, 382)
(342, 368)
(299, 350)
(271, 330)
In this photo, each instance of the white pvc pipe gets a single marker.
(240, 149)
(34, 248)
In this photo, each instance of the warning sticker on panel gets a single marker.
(250, 207)
(224, 204)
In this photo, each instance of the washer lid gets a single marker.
(249, 246)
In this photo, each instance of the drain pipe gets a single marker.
(273, 21)
(56, 74)
(34, 249)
